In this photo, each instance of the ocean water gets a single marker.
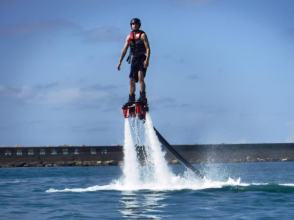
(154, 190)
(230, 191)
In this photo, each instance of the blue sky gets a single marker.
(220, 71)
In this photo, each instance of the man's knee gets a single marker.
(141, 77)
(132, 82)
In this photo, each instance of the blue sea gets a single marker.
(230, 191)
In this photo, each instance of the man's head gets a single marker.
(135, 24)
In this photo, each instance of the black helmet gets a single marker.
(136, 21)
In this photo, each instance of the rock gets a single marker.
(33, 164)
(105, 163)
(59, 164)
(174, 162)
(19, 164)
(86, 163)
(93, 163)
(284, 160)
(40, 165)
(8, 165)
(18, 145)
(98, 163)
(70, 163)
(78, 163)
(48, 165)
(259, 160)
(113, 163)
(30, 164)
(248, 159)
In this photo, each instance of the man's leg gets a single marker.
(132, 93)
(141, 81)
(132, 86)
(142, 88)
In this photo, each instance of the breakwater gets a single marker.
(113, 155)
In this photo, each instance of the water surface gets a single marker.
(239, 191)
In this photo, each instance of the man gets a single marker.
(140, 51)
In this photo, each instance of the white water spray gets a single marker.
(131, 164)
(135, 123)
(155, 174)
(162, 174)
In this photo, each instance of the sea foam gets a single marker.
(155, 174)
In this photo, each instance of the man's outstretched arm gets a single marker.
(123, 53)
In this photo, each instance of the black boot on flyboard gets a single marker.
(142, 100)
(136, 108)
(131, 101)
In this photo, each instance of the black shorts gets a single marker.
(136, 66)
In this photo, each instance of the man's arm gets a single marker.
(146, 43)
(123, 53)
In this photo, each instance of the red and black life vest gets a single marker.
(136, 44)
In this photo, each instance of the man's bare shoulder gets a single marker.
(128, 38)
(144, 36)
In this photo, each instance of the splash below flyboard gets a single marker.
(139, 109)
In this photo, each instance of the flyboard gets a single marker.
(139, 109)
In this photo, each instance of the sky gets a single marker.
(221, 71)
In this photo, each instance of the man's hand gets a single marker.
(118, 65)
(146, 63)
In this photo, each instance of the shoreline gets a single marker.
(113, 155)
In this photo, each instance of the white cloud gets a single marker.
(102, 34)
(160, 99)
(36, 26)
(56, 93)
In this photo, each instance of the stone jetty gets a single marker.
(51, 156)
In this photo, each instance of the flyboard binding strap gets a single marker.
(129, 58)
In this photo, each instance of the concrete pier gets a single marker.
(113, 155)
